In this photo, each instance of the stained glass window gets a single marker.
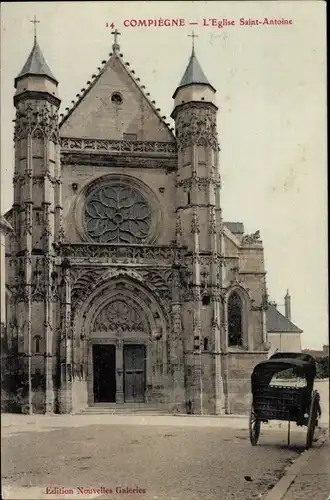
(235, 309)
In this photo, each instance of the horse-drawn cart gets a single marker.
(276, 401)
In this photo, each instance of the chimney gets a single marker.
(287, 302)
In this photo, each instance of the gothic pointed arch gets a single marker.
(237, 307)
(235, 319)
(121, 302)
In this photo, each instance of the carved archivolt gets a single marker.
(85, 282)
(38, 121)
(92, 288)
(122, 305)
(197, 125)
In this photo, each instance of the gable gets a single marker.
(95, 116)
(277, 322)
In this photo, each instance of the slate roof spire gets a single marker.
(36, 63)
(193, 75)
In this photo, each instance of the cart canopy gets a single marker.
(303, 364)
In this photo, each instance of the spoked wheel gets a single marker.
(254, 427)
(312, 419)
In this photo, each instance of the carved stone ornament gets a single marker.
(195, 223)
(39, 121)
(117, 214)
(28, 219)
(200, 182)
(131, 253)
(197, 124)
(178, 226)
(250, 239)
(212, 221)
(119, 316)
(176, 321)
(72, 144)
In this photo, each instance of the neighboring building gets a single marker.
(5, 229)
(127, 286)
(283, 335)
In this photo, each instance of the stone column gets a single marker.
(119, 371)
(89, 374)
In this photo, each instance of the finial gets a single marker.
(35, 27)
(115, 46)
(193, 36)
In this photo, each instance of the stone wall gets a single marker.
(240, 368)
(285, 342)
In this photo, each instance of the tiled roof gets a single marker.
(36, 64)
(277, 322)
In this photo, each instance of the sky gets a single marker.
(271, 94)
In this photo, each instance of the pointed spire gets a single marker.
(194, 73)
(36, 63)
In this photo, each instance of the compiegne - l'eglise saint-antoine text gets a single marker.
(209, 22)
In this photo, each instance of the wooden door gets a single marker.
(135, 373)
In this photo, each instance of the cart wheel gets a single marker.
(312, 421)
(254, 427)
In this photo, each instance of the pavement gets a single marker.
(308, 477)
(145, 457)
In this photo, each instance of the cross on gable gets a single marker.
(115, 33)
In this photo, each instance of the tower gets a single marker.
(37, 225)
(199, 228)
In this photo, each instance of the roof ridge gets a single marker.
(131, 74)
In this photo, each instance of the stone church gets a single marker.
(124, 284)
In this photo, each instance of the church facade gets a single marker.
(124, 283)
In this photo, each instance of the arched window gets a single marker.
(37, 344)
(235, 309)
(206, 343)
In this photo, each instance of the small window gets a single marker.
(130, 137)
(206, 343)
(188, 198)
(116, 98)
(37, 344)
(206, 300)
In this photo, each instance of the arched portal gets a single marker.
(122, 329)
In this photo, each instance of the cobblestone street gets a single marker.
(201, 460)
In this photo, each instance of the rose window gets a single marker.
(117, 214)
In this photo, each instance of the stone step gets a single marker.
(124, 409)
